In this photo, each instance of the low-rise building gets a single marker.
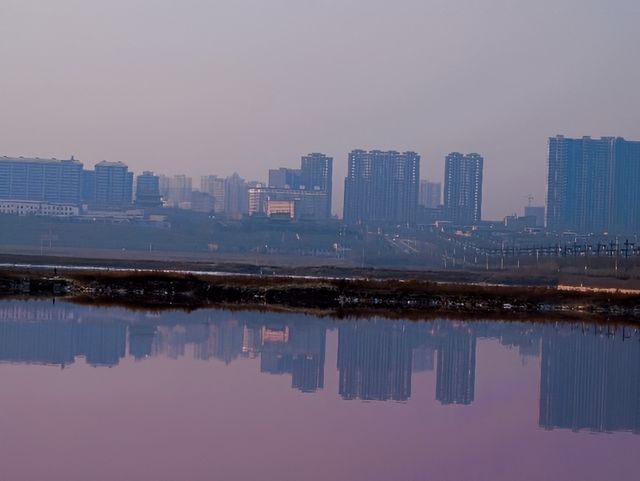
(302, 204)
(38, 208)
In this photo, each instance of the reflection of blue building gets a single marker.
(374, 359)
(217, 340)
(456, 372)
(307, 372)
(60, 343)
(424, 347)
(37, 342)
(423, 359)
(225, 340)
(307, 369)
(141, 340)
(102, 344)
(589, 381)
(299, 350)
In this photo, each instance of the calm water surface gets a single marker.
(92, 393)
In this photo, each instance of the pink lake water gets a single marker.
(91, 393)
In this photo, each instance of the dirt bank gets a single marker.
(411, 297)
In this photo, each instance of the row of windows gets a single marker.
(24, 209)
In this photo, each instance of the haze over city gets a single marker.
(356, 240)
(216, 87)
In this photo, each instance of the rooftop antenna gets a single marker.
(529, 199)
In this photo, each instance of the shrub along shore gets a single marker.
(415, 298)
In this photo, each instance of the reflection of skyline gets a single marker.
(298, 349)
(590, 379)
(46, 342)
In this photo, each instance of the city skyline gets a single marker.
(598, 174)
(435, 174)
(233, 93)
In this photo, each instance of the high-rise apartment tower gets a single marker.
(40, 180)
(114, 185)
(381, 187)
(316, 173)
(463, 187)
(592, 185)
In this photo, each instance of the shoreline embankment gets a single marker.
(357, 295)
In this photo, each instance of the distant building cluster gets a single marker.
(65, 188)
(591, 190)
(303, 193)
(381, 188)
(60, 187)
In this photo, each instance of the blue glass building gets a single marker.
(40, 180)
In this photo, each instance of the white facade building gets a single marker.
(37, 208)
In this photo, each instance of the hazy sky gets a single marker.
(198, 87)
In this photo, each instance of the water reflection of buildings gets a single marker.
(374, 360)
(219, 339)
(44, 342)
(456, 375)
(294, 348)
(298, 350)
(43, 332)
(589, 379)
